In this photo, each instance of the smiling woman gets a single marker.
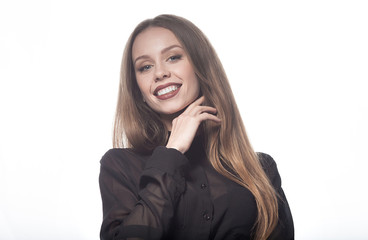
(187, 169)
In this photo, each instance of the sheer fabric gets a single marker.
(170, 195)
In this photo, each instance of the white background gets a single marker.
(298, 70)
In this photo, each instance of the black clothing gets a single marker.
(170, 195)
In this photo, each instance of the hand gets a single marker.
(185, 126)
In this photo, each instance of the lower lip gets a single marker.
(169, 95)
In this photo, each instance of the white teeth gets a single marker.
(167, 90)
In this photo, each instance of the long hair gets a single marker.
(227, 147)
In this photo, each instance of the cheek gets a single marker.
(143, 86)
(188, 71)
(194, 83)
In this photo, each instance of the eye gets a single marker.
(174, 58)
(144, 68)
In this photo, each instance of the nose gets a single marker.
(161, 73)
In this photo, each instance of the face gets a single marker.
(164, 74)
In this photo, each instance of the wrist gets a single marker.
(175, 147)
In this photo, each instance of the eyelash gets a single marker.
(172, 58)
(144, 68)
(175, 57)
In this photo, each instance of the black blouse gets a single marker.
(170, 195)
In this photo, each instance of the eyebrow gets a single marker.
(162, 51)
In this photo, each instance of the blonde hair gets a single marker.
(227, 147)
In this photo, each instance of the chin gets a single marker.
(173, 110)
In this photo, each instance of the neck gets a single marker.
(168, 118)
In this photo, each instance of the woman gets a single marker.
(189, 171)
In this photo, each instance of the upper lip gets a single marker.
(158, 88)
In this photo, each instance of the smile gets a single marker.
(167, 91)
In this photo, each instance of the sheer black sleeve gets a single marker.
(285, 228)
(139, 197)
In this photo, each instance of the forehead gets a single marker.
(152, 41)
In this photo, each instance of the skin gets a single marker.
(159, 59)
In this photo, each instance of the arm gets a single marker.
(285, 226)
(146, 212)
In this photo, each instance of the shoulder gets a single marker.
(115, 153)
(122, 160)
(265, 159)
(270, 167)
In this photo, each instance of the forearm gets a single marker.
(146, 213)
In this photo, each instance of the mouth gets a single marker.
(167, 91)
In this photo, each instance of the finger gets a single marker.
(208, 116)
(201, 109)
(197, 102)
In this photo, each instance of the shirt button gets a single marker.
(203, 185)
(206, 216)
